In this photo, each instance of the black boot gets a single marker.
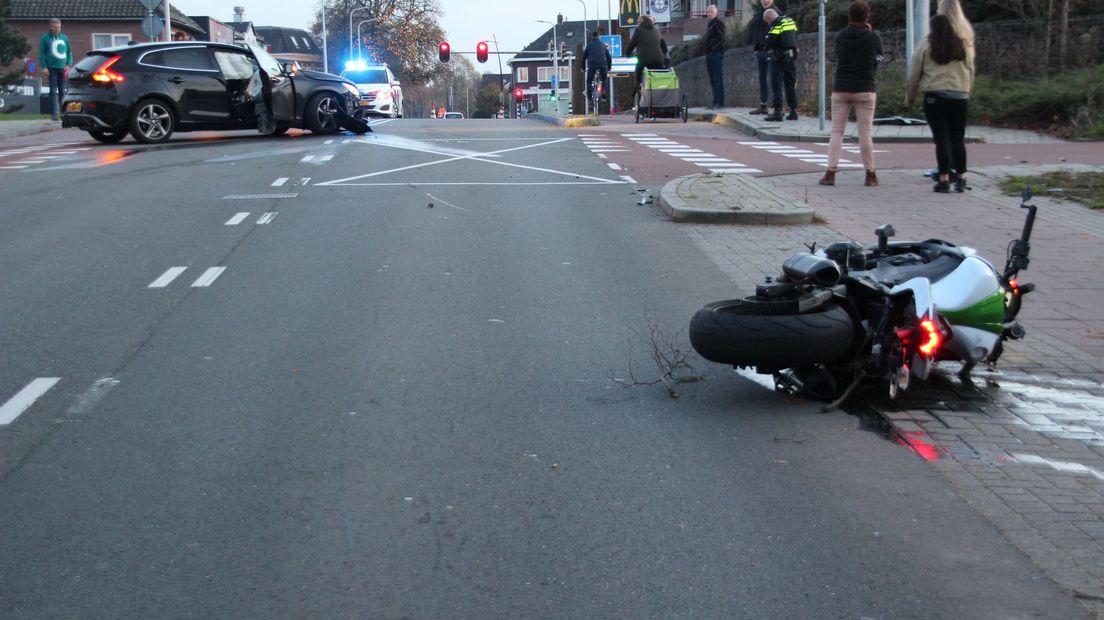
(792, 116)
(774, 117)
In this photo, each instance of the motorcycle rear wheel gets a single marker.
(752, 332)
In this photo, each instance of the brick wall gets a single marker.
(1004, 49)
(79, 33)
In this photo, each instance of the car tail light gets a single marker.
(106, 75)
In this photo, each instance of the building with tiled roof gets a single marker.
(291, 44)
(93, 24)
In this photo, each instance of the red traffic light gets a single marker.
(481, 51)
(519, 95)
(444, 50)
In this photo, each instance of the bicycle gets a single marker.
(596, 89)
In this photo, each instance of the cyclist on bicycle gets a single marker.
(598, 61)
(650, 48)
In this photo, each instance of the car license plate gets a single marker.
(364, 104)
(73, 107)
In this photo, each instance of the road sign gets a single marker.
(613, 43)
(555, 81)
(151, 4)
(623, 66)
(152, 26)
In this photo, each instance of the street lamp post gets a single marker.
(584, 21)
(359, 40)
(351, 13)
(325, 52)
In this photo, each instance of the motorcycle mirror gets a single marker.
(1027, 193)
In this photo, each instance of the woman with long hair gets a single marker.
(943, 70)
(857, 50)
(953, 10)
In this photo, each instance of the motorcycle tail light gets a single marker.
(1015, 284)
(930, 337)
(106, 75)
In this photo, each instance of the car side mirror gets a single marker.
(290, 68)
(395, 83)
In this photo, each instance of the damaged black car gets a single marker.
(153, 90)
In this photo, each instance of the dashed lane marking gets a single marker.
(280, 181)
(267, 218)
(237, 219)
(628, 179)
(613, 166)
(306, 158)
(208, 278)
(25, 398)
(166, 278)
(260, 196)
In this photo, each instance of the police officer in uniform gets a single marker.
(782, 45)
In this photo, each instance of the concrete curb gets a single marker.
(16, 129)
(778, 133)
(564, 121)
(732, 199)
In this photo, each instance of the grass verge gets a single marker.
(24, 117)
(1085, 187)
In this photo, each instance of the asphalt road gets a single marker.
(351, 403)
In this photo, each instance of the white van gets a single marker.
(380, 93)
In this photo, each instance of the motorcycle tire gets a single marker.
(744, 332)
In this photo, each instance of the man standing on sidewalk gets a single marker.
(782, 44)
(714, 55)
(55, 56)
(759, 29)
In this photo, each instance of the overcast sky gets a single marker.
(513, 22)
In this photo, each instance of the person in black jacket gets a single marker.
(598, 61)
(759, 29)
(714, 55)
(858, 49)
(650, 48)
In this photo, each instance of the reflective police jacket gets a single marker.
(782, 35)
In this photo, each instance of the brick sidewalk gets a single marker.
(1024, 446)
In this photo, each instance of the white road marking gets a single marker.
(326, 158)
(208, 277)
(735, 171)
(12, 167)
(167, 277)
(726, 165)
(610, 150)
(280, 181)
(756, 144)
(237, 219)
(843, 165)
(447, 204)
(1063, 466)
(267, 218)
(613, 166)
(328, 142)
(628, 179)
(708, 164)
(479, 157)
(25, 398)
(306, 158)
(88, 401)
(304, 181)
(603, 156)
(259, 196)
(798, 154)
(639, 135)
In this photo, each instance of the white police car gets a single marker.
(380, 93)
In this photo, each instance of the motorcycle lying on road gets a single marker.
(886, 313)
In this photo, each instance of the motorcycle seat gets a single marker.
(892, 275)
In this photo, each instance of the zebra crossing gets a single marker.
(602, 144)
(21, 158)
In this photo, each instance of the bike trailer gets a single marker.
(660, 89)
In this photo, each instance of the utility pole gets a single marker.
(325, 52)
(168, 21)
(821, 49)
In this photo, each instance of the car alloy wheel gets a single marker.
(152, 122)
(324, 111)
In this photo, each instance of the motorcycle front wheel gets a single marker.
(752, 332)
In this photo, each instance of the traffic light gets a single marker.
(444, 50)
(552, 96)
(519, 95)
(481, 51)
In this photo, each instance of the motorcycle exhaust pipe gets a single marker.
(816, 269)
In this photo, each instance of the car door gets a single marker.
(236, 69)
(280, 91)
(193, 82)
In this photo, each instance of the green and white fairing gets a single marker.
(972, 299)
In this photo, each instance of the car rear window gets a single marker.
(372, 76)
(91, 62)
(194, 58)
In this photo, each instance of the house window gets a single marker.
(544, 74)
(523, 75)
(100, 41)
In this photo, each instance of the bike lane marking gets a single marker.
(26, 397)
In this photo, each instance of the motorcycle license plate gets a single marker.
(73, 107)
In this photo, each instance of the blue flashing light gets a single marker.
(355, 65)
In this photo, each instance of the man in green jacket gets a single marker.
(55, 56)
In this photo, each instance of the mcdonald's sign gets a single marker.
(629, 15)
